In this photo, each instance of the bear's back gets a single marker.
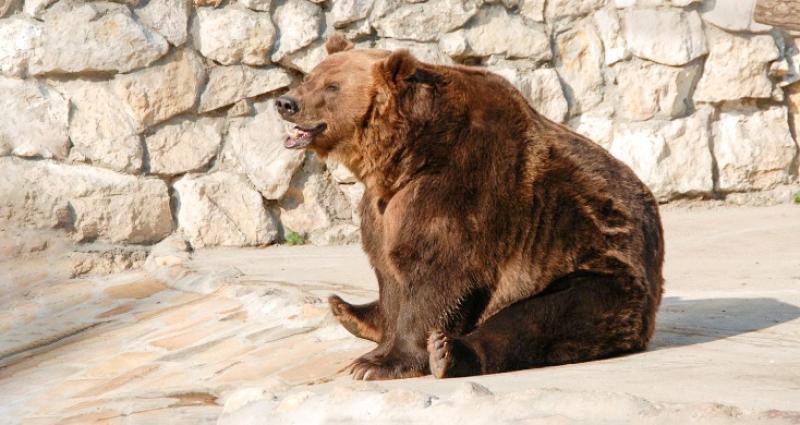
(593, 202)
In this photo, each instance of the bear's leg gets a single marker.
(363, 321)
(577, 319)
(402, 353)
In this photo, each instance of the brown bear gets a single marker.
(500, 240)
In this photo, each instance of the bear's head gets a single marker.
(335, 107)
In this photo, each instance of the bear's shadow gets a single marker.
(681, 322)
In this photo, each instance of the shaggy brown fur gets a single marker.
(500, 239)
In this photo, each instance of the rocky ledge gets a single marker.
(234, 336)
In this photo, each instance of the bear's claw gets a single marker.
(440, 355)
(367, 368)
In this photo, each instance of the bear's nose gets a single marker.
(286, 106)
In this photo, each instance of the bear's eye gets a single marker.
(332, 87)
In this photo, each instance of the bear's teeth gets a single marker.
(297, 132)
(297, 137)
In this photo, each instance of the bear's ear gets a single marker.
(400, 66)
(337, 43)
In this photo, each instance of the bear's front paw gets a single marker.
(378, 366)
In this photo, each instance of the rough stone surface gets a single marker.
(184, 146)
(426, 52)
(653, 3)
(668, 36)
(34, 121)
(20, 37)
(102, 128)
(495, 32)
(736, 67)
(162, 88)
(793, 99)
(90, 202)
(359, 30)
(753, 148)
(598, 128)
(313, 202)
(170, 18)
(259, 5)
(6, 6)
(786, 71)
(229, 84)
(222, 209)
(306, 59)
(546, 94)
(425, 21)
(18, 243)
(338, 234)
(162, 91)
(36, 8)
(610, 31)
(732, 15)
(233, 34)
(339, 172)
(354, 193)
(672, 157)
(345, 12)
(579, 61)
(299, 23)
(88, 38)
(100, 259)
(648, 90)
(257, 144)
(560, 9)
(454, 44)
(241, 108)
(532, 9)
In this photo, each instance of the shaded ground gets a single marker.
(235, 336)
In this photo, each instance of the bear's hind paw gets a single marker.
(356, 321)
(440, 354)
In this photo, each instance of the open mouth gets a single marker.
(298, 137)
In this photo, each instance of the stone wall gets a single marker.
(129, 121)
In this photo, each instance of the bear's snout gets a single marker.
(286, 106)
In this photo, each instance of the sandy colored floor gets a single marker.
(243, 336)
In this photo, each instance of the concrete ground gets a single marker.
(243, 336)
